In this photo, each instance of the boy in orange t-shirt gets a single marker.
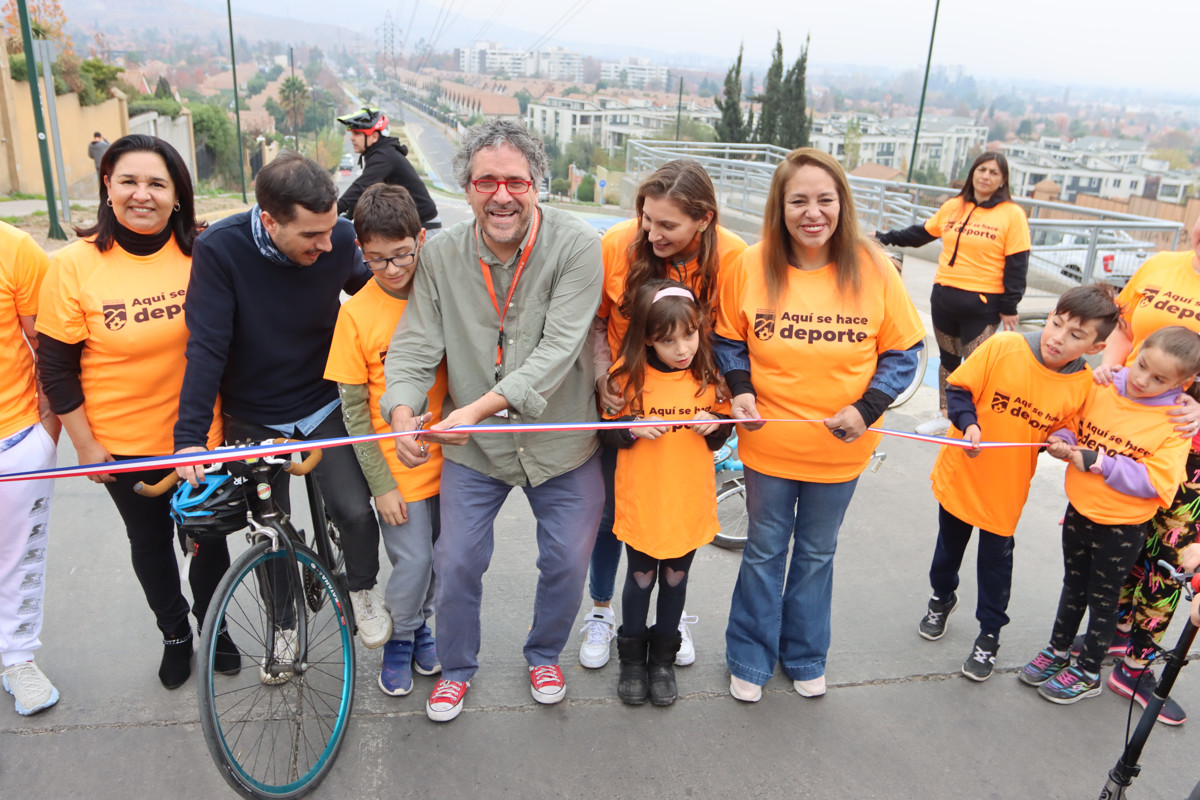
(26, 443)
(388, 229)
(389, 232)
(1013, 389)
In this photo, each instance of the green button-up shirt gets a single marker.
(546, 376)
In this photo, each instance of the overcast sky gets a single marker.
(1063, 41)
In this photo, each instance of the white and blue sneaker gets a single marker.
(30, 688)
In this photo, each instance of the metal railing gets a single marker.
(1070, 243)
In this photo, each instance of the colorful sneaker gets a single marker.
(1070, 685)
(425, 657)
(284, 652)
(395, 676)
(32, 691)
(1044, 666)
(446, 700)
(372, 618)
(599, 628)
(981, 662)
(1140, 686)
(1116, 648)
(933, 624)
(546, 684)
(687, 648)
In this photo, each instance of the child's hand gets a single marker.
(1189, 557)
(744, 406)
(1186, 416)
(1076, 459)
(1196, 610)
(1102, 375)
(704, 430)
(650, 433)
(1058, 448)
(974, 435)
(392, 508)
(847, 424)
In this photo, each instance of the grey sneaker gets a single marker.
(31, 689)
(599, 628)
(372, 617)
(981, 662)
(938, 426)
(933, 624)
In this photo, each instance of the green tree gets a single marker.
(1078, 128)
(998, 132)
(852, 143)
(256, 85)
(795, 124)
(1176, 158)
(99, 78)
(162, 89)
(293, 96)
(214, 130)
(586, 193)
(767, 131)
(1025, 129)
(732, 125)
(523, 97)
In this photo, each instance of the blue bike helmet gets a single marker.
(216, 506)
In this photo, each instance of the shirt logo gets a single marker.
(1148, 295)
(999, 402)
(764, 324)
(39, 505)
(115, 316)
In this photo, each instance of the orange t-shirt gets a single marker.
(23, 265)
(812, 357)
(364, 329)
(665, 489)
(615, 248)
(991, 235)
(128, 312)
(1017, 399)
(1126, 427)
(1164, 291)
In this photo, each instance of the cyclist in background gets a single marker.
(383, 160)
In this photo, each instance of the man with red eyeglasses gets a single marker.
(506, 299)
(384, 160)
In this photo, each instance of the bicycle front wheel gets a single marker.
(731, 513)
(275, 734)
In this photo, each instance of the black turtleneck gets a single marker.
(142, 244)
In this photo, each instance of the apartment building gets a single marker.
(552, 63)
(946, 143)
(609, 122)
(1114, 169)
(633, 73)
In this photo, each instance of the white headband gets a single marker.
(673, 291)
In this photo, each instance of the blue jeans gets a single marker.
(780, 611)
(606, 553)
(567, 509)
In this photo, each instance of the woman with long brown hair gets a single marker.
(675, 236)
(813, 325)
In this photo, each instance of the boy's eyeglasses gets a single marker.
(489, 186)
(380, 264)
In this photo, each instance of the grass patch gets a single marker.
(12, 220)
(22, 196)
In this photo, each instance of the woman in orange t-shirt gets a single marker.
(111, 341)
(675, 236)
(981, 272)
(813, 325)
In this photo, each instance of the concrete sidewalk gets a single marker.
(899, 720)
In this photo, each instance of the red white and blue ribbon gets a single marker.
(222, 455)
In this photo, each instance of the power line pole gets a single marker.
(56, 231)
(912, 162)
(237, 105)
(679, 110)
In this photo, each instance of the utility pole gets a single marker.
(292, 93)
(679, 110)
(56, 231)
(912, 162)
(237, 105)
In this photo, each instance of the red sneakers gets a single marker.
(547, 684)
(446, 700)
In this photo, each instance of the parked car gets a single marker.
(1064, 252)
(347, 165)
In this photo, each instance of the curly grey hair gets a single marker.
(494, 133)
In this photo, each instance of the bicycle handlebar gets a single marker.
(169, 480)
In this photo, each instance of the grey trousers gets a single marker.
(409, 546)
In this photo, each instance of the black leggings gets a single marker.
(1096, 559)
(641, 573)
(152, 538)
(962, 321)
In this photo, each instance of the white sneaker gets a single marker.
(599, 628)
(372, 617)
(745, 691)
(287, 645)
(687, 648)
(30, 688)
(938, 426)
(813, 688)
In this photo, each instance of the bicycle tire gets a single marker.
(275, 741)
(918, 378)
(732, 514)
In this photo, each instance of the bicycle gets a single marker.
(274, 731)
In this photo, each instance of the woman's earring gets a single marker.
(109, 201)
(177, 206)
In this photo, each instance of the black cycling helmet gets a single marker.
(366, 120)
(216, 506)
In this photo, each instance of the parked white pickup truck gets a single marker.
(1064, 252)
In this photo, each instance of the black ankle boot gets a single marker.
(228, 659)
(661, 672)
(632, 685)
(176, 664)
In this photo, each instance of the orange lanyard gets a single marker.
(487, 279)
